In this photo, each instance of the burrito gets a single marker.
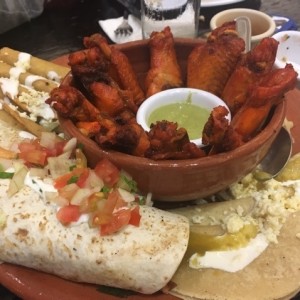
(140, 257)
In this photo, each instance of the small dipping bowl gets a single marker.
(288, 50)
(180, 96)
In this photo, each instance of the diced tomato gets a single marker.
(32, 152)
(93, 203)
(68, 214)
(114, 201)
(99, 218)
(83, 177)
(57, 150)
(135, 216)
(68, 191)
(27, 146)
(65, 179)
(62, 180)
(108, 172)
(119, 220)
(34, 156)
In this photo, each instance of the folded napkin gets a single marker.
(110, 25)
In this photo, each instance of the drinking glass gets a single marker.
(182, 16)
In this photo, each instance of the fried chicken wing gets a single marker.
(110, 99)
(164, 72)
(89, 129)
(215, 128)
(129, 138)
(249, 119)
(120, 68)
(250, 70)
(167, 141)
(71, 103)
(210, 64)
(88, 63)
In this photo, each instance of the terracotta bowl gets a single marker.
(181, 180)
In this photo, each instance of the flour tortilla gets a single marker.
(140, 258)
(275, 274)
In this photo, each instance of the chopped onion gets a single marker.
(55, 198)
(81, 195)
(38, 172)
(59, 165)
(17, 182)
(70, 145)
(127, 196)
(94, 180)
(148, 200)
(6, 163)
(48, 140)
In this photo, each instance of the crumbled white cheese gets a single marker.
(35, 102)
(234, 223)
(274, 202)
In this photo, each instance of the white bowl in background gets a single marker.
(262, 25)
(197, 97)
(288, 50)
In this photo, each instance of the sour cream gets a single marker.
(52, 75)
(230, 260)
(23, 61)
(39, 185)
(10, 87)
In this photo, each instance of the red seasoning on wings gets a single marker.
(120, 69)
(251, 116)
(250, 70)
(167, 141)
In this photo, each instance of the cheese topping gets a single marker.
(9, 87)
(23, 61)
(52, 75)
(35, 102)
(15, 72)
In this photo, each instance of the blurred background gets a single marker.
(50, 28)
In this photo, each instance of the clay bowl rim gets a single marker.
(250, 154)
(275, 121)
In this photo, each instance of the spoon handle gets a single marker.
(243, 27)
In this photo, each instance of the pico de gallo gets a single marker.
(105, 196)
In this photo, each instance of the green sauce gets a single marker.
(187, 115)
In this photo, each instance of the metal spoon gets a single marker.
(277, 156)
(281, 149)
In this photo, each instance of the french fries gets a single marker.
(25, 84)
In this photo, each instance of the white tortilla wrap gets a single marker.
(140, 258)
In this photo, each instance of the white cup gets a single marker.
(262, 25)
(182, 16)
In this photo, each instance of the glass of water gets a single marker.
(182, 16)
